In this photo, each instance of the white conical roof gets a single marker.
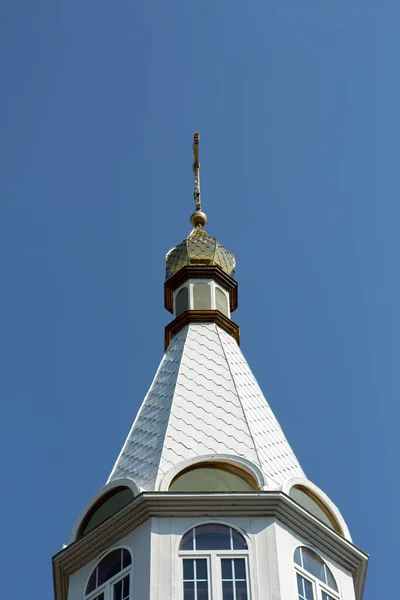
(204, 401)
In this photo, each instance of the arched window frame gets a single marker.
(320, 590)
(214, 560)
(105, 591)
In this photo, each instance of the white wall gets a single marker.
(156, 564)
(139, 543)
(286, 542)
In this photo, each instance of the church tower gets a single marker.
(207, 500)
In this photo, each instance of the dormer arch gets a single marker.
(108, 501)
(213, 473)
(316, 502)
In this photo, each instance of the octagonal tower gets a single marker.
(207, 500)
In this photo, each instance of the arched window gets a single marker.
(213, 476)
(221, 301)
(314, 579)
(215, 563)
(314, 505)
(106, 507)
(111, 578)
(201, 296)
(181, 301)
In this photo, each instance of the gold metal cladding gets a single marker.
(201, 316)
(200, 272)
(199, 249)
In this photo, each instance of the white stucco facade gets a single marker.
(157, 564)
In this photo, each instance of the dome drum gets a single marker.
(213, 272)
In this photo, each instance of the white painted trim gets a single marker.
(242, 463)
(121, 482)
(306, 483)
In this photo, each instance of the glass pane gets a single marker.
(241, 590)
(201, 296)
(188, 570)
(325, 596)
(188, 590)
(92, 582)
(187, 541)
(297, 557)
(227, 590)
(239, 543)
(313, 564)
(330, 580)
(307, 502)
(304, 588)
(202, 590)
(101, 597)
(109, 566)
(309, 590)
(221, 301)
(118, 591)
(125, 587)
(126, 558)
(201, 569)
(181, 301)
(208, 479)
(213, 537)
(300, 586)
(226, 568)
(240, 568)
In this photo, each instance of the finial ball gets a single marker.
(198, 218)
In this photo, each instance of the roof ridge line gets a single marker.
(240, 401)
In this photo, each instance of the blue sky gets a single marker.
(297, 104)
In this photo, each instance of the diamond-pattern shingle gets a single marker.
(204, 400)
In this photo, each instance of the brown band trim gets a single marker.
(201, 316)
(200, 272)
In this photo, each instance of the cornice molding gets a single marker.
(200, 272)
(160, 504)
(201, 316)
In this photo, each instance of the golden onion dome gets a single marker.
(200, 249)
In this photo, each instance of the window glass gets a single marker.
(121, 589)
(181, 301)
(304, 588)
(234, 585)
(212, 536)
(221, 301)
(195, 579)
(187, 542)
(326, 596)
(313, 564)
(330, 580)
(211, 479)
(201, 296)
(307, 501)
(106, 508)
(106, 569)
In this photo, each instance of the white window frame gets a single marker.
(214, 558)
(107, 587)
(317, 585)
